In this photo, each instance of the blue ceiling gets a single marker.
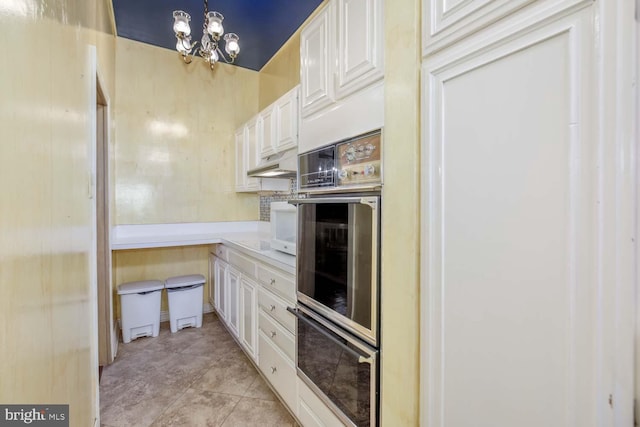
(262, 25)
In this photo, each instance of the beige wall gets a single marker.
(159, 264)
(47, 344)
(281, 73)
(175, 148)
(400, 370)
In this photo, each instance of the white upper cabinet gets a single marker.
(246, 150)
(267, 140)
(316, 60)
(360, 45)
(286, 121)
(445, 21)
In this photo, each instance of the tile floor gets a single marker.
(195, 377)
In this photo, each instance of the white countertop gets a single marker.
(251, 237)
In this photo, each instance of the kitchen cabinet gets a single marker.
(249, 319)
(485, 134)
(341, 52)
(279, 123)
(286, 111)
(233, 298)
(268, 138)
(341, 73)
(316, 58)
(244, 152)
(219, 284)
(360, 45)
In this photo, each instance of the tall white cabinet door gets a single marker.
(219, 283)
(267, 140)
(510, 238)
(286, 111)
(241, 170)
(233, 299)
(316, 62)
(252, 150)
(249, 319)
(360, 45)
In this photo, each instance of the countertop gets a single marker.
(251, 237)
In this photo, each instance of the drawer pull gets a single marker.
(272, 308)
(273, 369)
(273, 334)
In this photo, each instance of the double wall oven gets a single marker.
(338, 276)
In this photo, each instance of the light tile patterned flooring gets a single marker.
(195, 377)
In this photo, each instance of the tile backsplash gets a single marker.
(278, 196)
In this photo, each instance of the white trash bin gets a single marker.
(185, 295)
(140, 308)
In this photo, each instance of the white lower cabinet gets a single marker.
(248, 317)
(278, 369)
(233, 292)
(311, 411)
(219, 287)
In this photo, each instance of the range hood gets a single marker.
(281, 165)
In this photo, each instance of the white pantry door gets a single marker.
(517, 176)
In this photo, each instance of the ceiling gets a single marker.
(262, 25)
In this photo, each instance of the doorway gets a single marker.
(107, 344)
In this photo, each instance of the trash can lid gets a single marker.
(141, 286)
(187, 280)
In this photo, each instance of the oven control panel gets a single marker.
(358, 161)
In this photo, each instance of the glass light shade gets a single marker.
(183, 45)
(214, 24)
(214, 57)
(232, 45)
(181, 23)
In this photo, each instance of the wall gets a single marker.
(175, 153)
(400, 370)
(175, 147)
(281, 73)
(48, 345)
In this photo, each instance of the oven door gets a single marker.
(339, 368)
(338, 260)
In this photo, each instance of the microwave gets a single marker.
(284, 224)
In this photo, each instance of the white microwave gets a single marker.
(284, 225)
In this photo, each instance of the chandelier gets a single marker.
(212, 30)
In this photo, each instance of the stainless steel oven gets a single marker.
(338, 260)
(339, 368)
(338, 275)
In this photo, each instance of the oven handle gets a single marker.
(317, 200)
(361, 358)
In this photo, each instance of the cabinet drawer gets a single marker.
(312, 411)
(278, 335)
(278, 371)
(276, 281)
(244, 264)
(276, 308)
(221, 252)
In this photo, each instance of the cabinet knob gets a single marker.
(273, 334)
(273, 281)
(273, 307)
(273, 369)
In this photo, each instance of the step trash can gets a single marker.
(185, 295)
(140, 308)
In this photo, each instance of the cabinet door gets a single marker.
(360, 45)
(267, 138)
(510, 191)
(233, 298)
(219, 284)
(248, 309)
(316, 62)
(286, 113)
(252, 155)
